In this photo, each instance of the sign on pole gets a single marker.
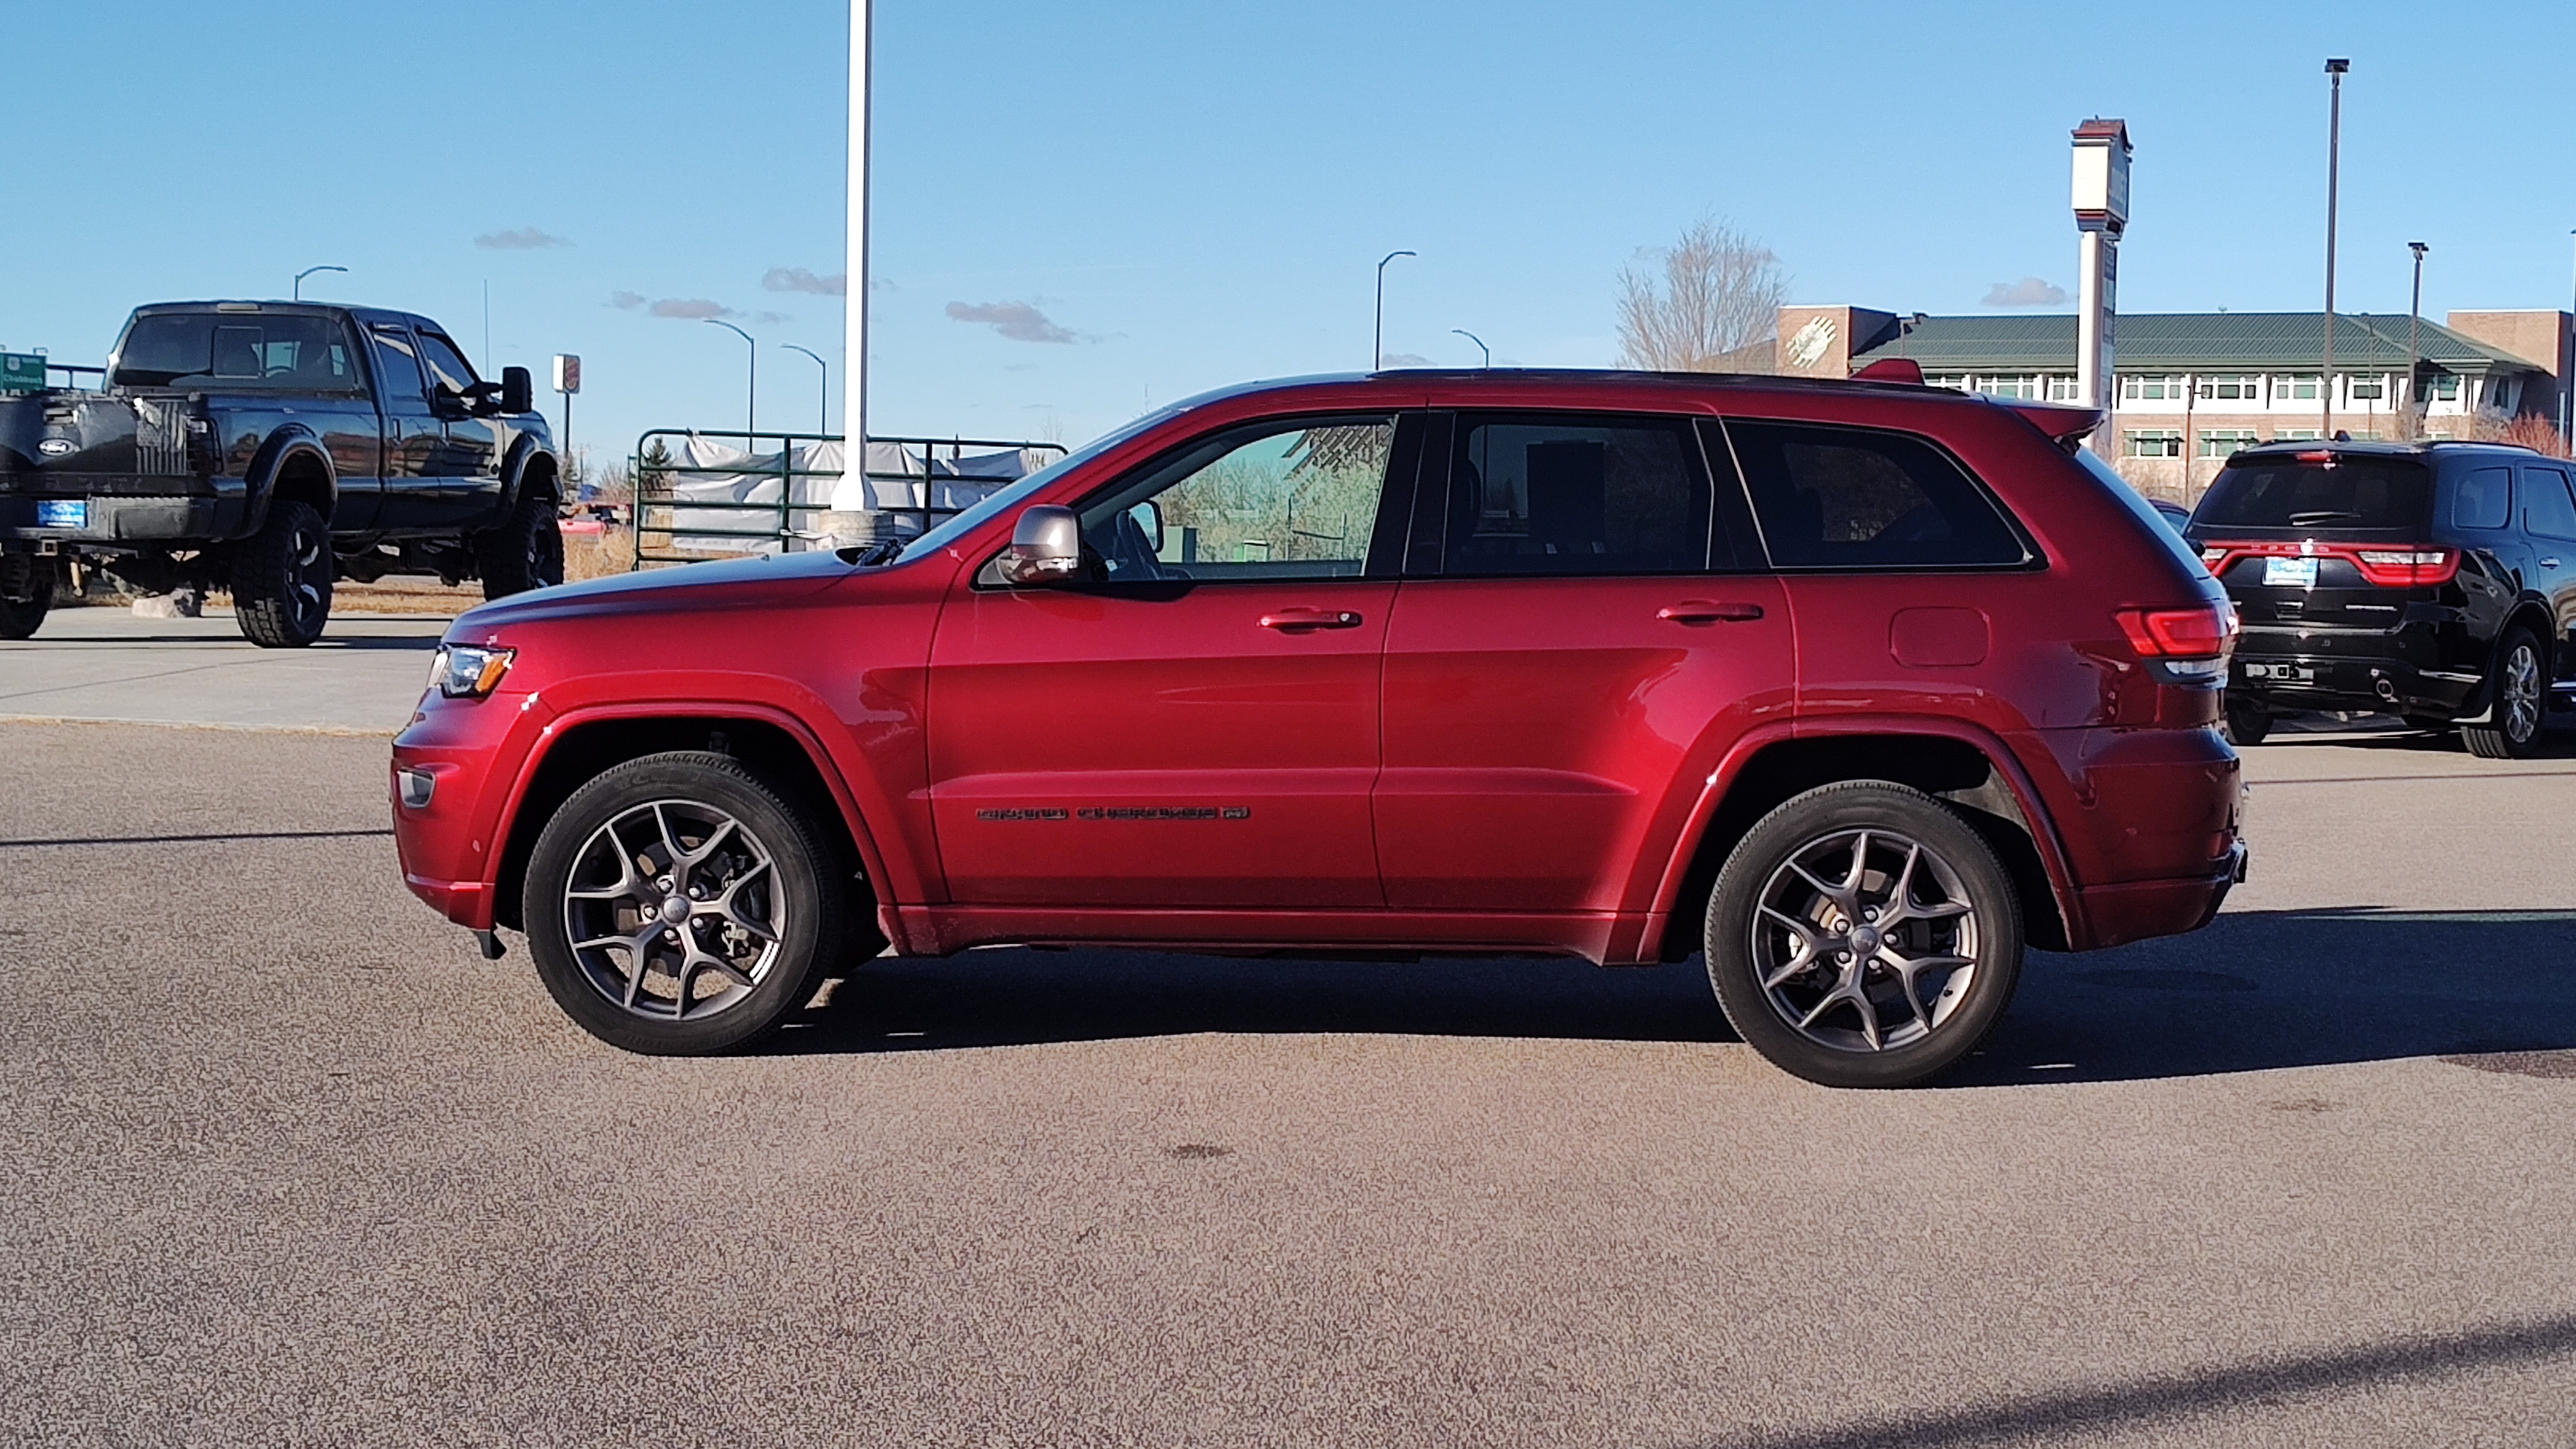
(567, 372)
(2101, 215)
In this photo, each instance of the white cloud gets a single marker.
(797, 279)
(1017, 321)
(522, 239)
(2028, 292)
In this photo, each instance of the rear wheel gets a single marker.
(21, 618)
(282, 578)
(2247, 721)
(2517, 691)
(1864, 935)
(525, 552)
(26, 592)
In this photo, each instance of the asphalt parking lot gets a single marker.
(287, 1163)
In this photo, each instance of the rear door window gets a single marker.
(2483, 498)
(1833, 497)
(1537, 494)
(2547, 507)
(2340, 491)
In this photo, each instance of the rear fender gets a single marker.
(284, 446)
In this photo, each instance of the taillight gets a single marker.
(2406, 568)
(2191, 644)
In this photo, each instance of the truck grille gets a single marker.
(161, 437)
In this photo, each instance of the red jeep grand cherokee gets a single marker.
(1859, 687)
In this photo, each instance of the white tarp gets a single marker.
(901, 476)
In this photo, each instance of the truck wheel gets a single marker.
(2246, 723)
(2519, 693)
(524, 552)
(1863, 935)
(678, 905)
(33, 578)
(21, 618)
(282, 578)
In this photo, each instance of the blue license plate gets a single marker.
(2291, 573)
(62, 513)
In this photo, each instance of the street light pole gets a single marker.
(823, 423)
(2414, 341)
(309, 271)
(1377, 348)
(2335, 69)
(751, 389)
(1479, 341)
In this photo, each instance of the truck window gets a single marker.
(446, 365)
(206, 349)
(397, 368)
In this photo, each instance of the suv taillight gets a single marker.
(2406, 568)
(2191, 644)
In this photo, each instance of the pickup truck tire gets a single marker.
(26, 592)
(21, 618)
(681, 905)
(282, 578)
(524, 552)
(1863, 934)
(2519, 689)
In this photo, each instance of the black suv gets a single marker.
(271, 448)
(2435, 581)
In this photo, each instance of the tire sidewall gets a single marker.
(800, 864)
(1829, 810)
(265, 577)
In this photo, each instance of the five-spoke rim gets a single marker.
(1865, 940)
(2522, 692)
(673, 911)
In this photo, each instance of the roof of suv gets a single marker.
(2371, 448)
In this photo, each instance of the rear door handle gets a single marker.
(1701, 611)
(1298, 621)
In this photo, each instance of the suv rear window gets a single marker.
(2340, 492)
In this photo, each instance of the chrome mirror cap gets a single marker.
(1046, 546)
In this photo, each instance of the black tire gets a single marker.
(2518, 690)
(771, 869)
(33, 579)
(524, 552)
(2246, 723)
(282, 578)
(1848, 1042)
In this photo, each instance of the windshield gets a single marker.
(236, 351)
(995, 504)
(2339, 491)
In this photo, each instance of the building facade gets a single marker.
(2191, 388)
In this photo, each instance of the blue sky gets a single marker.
(1160, 198)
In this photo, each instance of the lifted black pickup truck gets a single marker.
(273, 447)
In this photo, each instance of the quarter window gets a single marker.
(2548, 510)
(1541, 495)
(1280, 500)
(2483, 498)
(1855, 498)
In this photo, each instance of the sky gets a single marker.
(1083, 211)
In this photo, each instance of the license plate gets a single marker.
(2290, 573)
(62, 513)
(2287, 673)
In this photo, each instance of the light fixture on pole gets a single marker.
(1480, 344)
(2335, 69)
(751, 388)
(2415, 341)
(850, 493)
(823, 419)
(309, 271)
(1377, 347)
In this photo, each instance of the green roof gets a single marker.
(2189, 342)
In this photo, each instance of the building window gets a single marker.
(2285, 389)
(2232, 387)
(2219, 442)
(2152, 443)
(1951, 380)
(2298, 435)
(2016, 387)
(2364, 388)
(2142, 387)
(2061, 389)
(2443, 387)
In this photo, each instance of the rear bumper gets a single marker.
(2115, 915)
(118, 522)
(2293, 679)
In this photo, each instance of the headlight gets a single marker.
(469, 671)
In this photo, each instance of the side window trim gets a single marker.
(2033, 556)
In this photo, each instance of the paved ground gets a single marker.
(283, 1162)
(364, 674)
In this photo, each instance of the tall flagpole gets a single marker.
(850, 493)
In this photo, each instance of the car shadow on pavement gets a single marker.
(2254, 991)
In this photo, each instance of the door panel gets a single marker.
(412, 433)
(465, 468)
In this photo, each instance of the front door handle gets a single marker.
(2549, 563)
(1701, 611)
(1298, 621)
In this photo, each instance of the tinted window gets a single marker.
(2343, 491)
(1852, 498)
(2546, 507)
(2483, 498)
(397, 369)
(1282, 500)
(238, 351)
(1540, 495)
(446, 364)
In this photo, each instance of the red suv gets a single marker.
(1857, 687)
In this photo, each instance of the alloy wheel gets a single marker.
(673, 911)
(308, 574)
(2522, 693)
(1865, 940)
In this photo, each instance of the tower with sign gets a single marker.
(2101, 215)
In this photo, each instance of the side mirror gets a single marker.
(518, 392)
(1046, 546)
(1149, 522)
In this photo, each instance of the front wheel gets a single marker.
(678, 905)
(2518, 692)
(524, 552)
(1863, 935)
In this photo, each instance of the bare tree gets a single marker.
(1719, 293)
